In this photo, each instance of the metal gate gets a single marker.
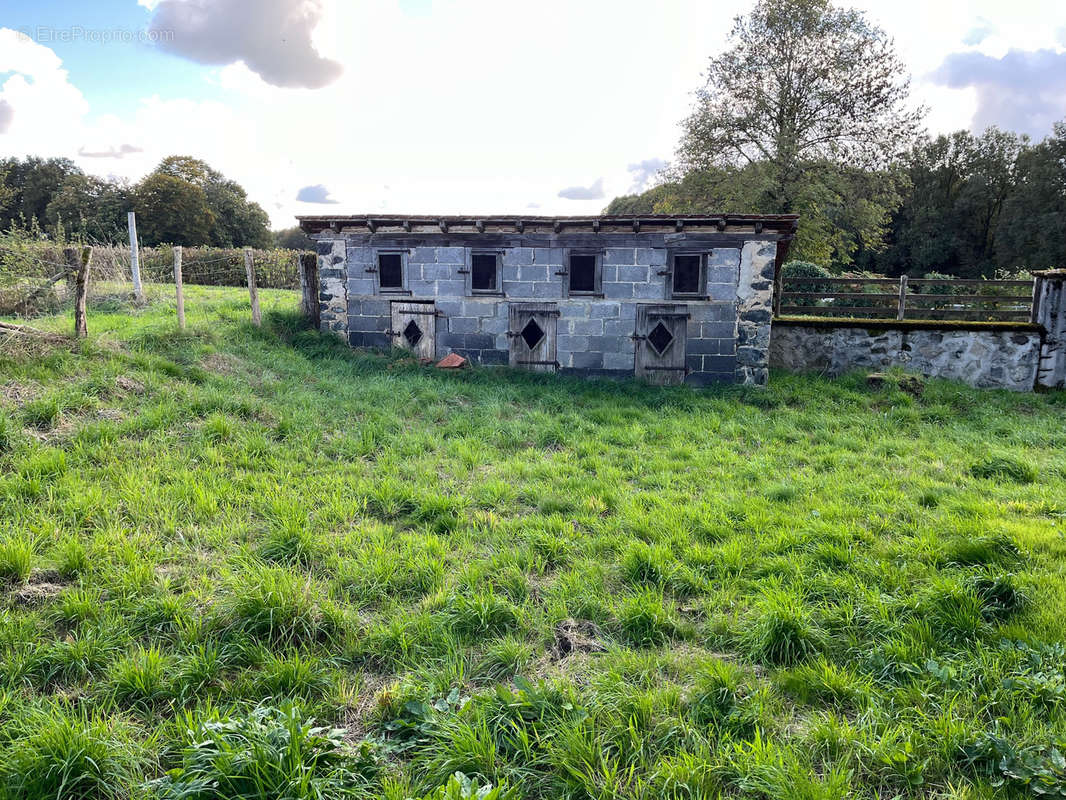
(532, 329)
(661, 333)
(414, 327)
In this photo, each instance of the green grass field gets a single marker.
(243, 563)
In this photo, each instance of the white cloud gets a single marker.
(115, 151)
(594, 191)
(316, 193)
(271, 37)
(42, 107)
(1022, 91)
(643, 173)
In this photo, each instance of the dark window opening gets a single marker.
(583, 274)
(390, 270)
(660, 338)
(483, 272)
(412, 333)
(687, 274)
(532, 334)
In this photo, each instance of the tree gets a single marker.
(90, 208)
(1031, 228)
(949, 219)
(172, 211)
(807, 104)
(238, 221)
(31, 184)
(293, 239)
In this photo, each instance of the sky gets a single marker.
(449, 106)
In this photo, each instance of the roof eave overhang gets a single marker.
(778, 225)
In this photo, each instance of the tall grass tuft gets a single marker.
(277, 607)
(270, 753)
(780, 630)
(71, 754)
(16, 558)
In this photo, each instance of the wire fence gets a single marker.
(38, 278)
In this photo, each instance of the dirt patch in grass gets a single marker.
(576, 636)
(369, 697)
(129, 385)
(42, 586)
(18, 393)
(221, 363)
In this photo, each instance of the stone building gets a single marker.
(668, 298)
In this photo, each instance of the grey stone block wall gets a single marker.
(728, 330)
(332, 289)
(1050, 300)
(999, 358)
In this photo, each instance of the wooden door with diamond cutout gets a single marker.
(532, 334)
(414, 327)
(662, 330)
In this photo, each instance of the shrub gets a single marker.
(272, 753)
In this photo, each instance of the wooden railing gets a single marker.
(906, 298)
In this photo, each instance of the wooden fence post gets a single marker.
(253, 293)
(177, 285)
(902, 307)
(309, 284)
(135, 264)
(78, 264)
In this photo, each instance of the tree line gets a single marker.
(808, 112)
(182, 201)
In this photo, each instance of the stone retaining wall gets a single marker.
(980, 355)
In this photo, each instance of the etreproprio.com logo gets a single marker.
(46, 34)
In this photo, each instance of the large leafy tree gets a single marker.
(238, 222)
(172, 211)
(803, 113)
(90, 208)
(948, 222)
(1031, 228)
(30, 185)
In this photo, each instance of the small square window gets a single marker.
(484, 272)
(390, 271)
(688, 275)
(584, 274)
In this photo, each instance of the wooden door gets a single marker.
(532, 333)
(414, 328)
(661, 332)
